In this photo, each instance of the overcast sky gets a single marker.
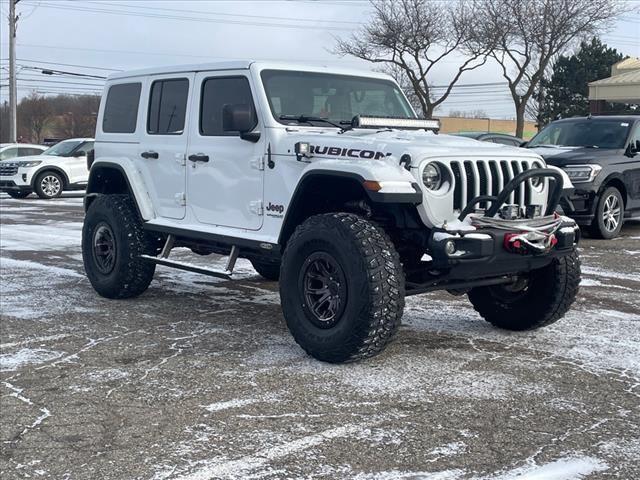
(94, 36)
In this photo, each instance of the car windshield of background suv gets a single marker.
(62, 149)
(585, 133)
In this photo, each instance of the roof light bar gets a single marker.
(391, 122)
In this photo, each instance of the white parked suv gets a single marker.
(61, 167)
(327, 181)
(14, 150)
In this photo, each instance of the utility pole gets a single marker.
(13, 88)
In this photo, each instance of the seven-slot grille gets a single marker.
(8, 169)
(488, 177)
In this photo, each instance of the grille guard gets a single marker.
(498, 200)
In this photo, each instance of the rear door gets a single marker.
(224, 172)
(163, 141)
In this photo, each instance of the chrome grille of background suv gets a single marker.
(8, 169)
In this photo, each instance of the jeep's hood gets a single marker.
(563, 156)
(391, 145)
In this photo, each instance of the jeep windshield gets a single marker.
(62, 149)
(583, 132)
(299, 97)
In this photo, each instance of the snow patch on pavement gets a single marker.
(27, 356)
(241, 402)
(570, 468)
(38, 237)
(18, 265)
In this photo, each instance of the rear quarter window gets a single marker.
(121, 108)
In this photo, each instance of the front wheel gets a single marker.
(609, 214)
(49, 185)
(112, 241)
(534, 300)
(341, 287)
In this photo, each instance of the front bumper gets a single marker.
(581, 204)
(14, 183)
(481, 258)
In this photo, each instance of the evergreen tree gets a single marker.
(567, 92)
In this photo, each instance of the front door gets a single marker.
(77, 163)
(163, 142)
(224, 171)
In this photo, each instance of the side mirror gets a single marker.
(633, 149)
(524, 144)
(79, 153)
(240, 118)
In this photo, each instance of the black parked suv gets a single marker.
(601, 155)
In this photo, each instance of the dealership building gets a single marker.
(622, 87)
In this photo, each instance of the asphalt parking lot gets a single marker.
(200, 379)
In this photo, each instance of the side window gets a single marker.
(9, 153)
(218, 92)
(26, 151)
(168, 107)
(85, 147)
(121, 108)
(502, 141)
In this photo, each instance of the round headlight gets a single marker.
(432, 177)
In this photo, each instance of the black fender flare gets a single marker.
(357, 180)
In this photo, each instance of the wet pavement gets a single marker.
(199, 378)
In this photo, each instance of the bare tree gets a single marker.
(526, 36)
(76, 114)
(413, 37)
(34, 114)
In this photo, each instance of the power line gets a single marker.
(184, 18)
(69, 65)
(266, 17)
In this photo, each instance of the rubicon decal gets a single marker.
(347, 152)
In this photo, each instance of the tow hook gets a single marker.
(525, 243)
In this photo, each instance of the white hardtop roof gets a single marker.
(244, 65)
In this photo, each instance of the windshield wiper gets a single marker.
(590, 146)
(308, 119)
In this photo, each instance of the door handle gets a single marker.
(199, 157)
(149, 154)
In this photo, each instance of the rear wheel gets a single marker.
(49, 185)
(19, 193)
(535, 300)
(267, 270)
(341, 287)
(609, 214)
(112, 242)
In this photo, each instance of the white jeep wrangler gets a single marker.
(326, 180)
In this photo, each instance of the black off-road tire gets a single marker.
(371, 277)
(42, 191)
(547, 295)
(599, 228)
(267, 270)
(129, 275)
(18, 194)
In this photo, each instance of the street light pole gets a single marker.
(13, 88)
